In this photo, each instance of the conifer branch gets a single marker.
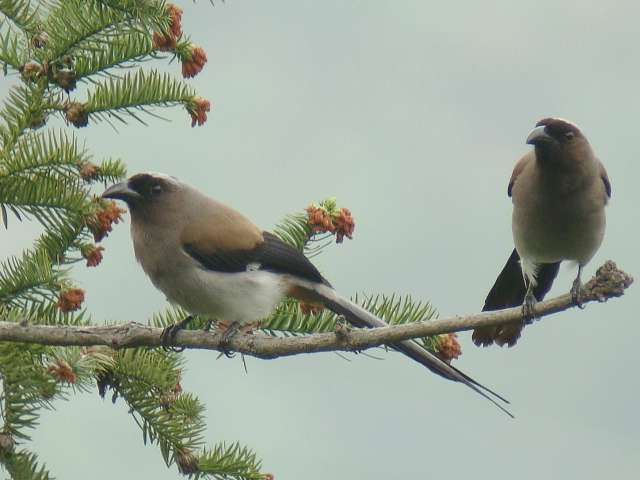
(28, 278)
(22, 464)
(608, 282)
(81, 24)
(25, 108)
(46, 176)
(136, 91)
(21, 13)
(122, 52)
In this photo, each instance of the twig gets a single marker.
(608, 282)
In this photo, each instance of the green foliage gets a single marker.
(139, 91)
(47, 176)
(229, 462)
(29, 280)
(25, 107)
(26, 388)
(79, 26)
(21, 13)
(23, 465)
(290, 319)
(121, 53)
(295, 230)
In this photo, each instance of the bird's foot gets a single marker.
(208, 325)
(169, 333)
(228, 331)
(576, 293)
(529, 308)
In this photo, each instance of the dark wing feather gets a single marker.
(509, 291)
(272, 255)
(605, 179)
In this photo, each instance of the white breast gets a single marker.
(236, 297)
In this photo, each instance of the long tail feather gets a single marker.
(360, 317)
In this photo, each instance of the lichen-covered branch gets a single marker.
(608, 282)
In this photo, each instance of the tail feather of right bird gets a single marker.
(509, 291)
(360, 317)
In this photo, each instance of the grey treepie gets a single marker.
(212, 261)
(559, 191)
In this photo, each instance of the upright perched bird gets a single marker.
(559, 191)
(212, 261)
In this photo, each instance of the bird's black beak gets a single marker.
(122, 191)
(539, 136)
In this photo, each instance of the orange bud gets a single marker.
(71, 299)
(344, 225)
(448, 347)
(194, 63)
(163, 42)
(93, 255)
(62, 371)
(87, 170)
(199, 111)
(187, 462)
(175, 24)
(101, 223)
(75, 114)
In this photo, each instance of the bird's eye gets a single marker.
(156, 188)
(569, 135)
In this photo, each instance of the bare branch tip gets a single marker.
(608, 282)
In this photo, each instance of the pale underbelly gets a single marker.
(555, 237)
(235, 297)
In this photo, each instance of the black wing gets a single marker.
(509, 289)
(272, 255)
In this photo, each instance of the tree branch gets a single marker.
(608, 282)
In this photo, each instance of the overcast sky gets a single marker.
(412, 113)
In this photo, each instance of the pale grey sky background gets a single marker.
(412, 113)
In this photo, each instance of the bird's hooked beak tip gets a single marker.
(121, 191)
(539, 136)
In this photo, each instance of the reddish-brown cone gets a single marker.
(88, 170)
(101, 223)
(320, 220)
(75, 114)
(175, 24)
(194, 63)
(163, 42)
(166, 41)
(66, 78)
(62, 371)
(31, 71)
(187, 462)
(40, 40)
(344, 225)
(71, 299)
(93, 255)
(198, 111)
(448, 347)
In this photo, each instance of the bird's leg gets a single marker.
(208, 325)
(169, 333)
(528, 306)
(576, 289)
(228, 331)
